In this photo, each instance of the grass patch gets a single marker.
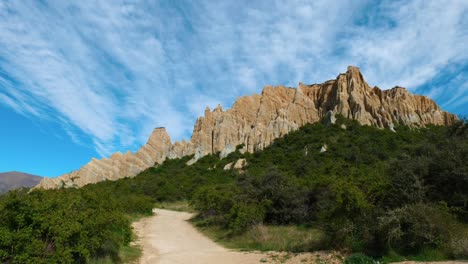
(392, 256)
(130, 254)
(267, 238)
(136, 217)
(180, 206)
(424, 255)
(127, 254)
(429, 255)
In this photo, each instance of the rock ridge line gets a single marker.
(256, 120)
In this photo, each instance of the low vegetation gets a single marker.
(387, 195)
(180, 206)
(261, 237)
(91, 224)
(372, 191)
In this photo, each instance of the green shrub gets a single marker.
(411, 228)
(214, 203)
(359, 258)
(458, 245)
(138, 204)
(61, 226)
(243, 215)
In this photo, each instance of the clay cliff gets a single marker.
(257, 120)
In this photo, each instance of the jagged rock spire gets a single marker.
(257, 120)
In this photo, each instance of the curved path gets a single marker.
(168, 238)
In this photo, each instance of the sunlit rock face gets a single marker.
(257, 120)
(118, 165)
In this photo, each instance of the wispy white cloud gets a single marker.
(417, 39)
(113, 70)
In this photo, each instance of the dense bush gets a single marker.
(372, 191)
(66, 226)
(243, 215)
(214, 203)
(458, 245)
(414, 227)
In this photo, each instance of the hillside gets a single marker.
(256, 120)
(391, 195)
(13, 180)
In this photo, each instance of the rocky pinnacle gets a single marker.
(256, 120)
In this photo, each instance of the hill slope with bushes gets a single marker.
(371, 191)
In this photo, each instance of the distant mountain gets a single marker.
(13, 180)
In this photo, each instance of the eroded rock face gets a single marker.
(117, 166)
(226, 151)
(329, 118)
(257, 120)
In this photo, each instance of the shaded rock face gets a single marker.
(226, 151)
(257, 120)
(329, 119)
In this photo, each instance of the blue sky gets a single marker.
(87, 78)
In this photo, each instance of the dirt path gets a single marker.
(169, 238)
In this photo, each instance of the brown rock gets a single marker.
(240, 164)
(257, 120)
(228, 166)
(119, 165)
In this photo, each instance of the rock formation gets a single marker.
(238, 165)
(226, 151)
(257, 120)
(323, 148)
(228, 166)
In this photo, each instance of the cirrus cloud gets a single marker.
(110, 71)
